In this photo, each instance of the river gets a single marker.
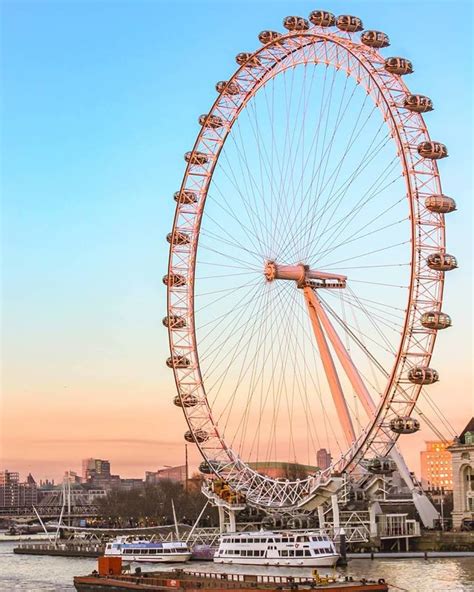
(32, 573)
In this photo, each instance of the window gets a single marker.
(307, 553)
(299, 552)
(284, 553)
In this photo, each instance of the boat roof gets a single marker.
(148, 544)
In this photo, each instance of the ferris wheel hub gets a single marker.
(303, 275)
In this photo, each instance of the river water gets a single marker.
(34, 573)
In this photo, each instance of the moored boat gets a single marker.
(108, 580)
(310, 548)
(148, 551)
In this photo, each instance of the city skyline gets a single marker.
(93, 118)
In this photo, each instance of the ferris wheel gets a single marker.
(307, 261)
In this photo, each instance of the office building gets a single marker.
(436, 469)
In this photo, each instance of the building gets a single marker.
(436, 469)
(462, 456)
(172, 473)
(14, 494)
(95, 467)
(323, 459)
(131, 484)
(71, 477)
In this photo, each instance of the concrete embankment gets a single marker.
(445, 541)
(411, 555)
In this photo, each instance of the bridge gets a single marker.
(47, 512)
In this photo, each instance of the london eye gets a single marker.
(307, 261)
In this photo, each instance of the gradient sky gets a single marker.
(100, 101)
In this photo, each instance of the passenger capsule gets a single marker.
(197, 158)
(174, 280)
(174, 322)
(185, 401)
(212, 121)
(404, 425)
(440, 204)
(177, 361)
(247, 59)
(375, 39)
(321, 18)
(435, 320)
(418, 103)
(441, 262)
(268, 36)
(295, 23)
(381, 466)
(185, 197)
(199, 436)
(398, 66)
(423, 375)
(178, 238)
(348, 23)
(209, 466)
(432, 150)
(228, 88)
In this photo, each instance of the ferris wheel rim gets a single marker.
(347, 43)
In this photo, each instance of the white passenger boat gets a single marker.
(304, 548)
(149, 551)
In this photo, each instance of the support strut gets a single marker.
(329, 368)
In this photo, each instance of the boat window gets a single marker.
(284, 540)
(284, 553)
(299, 552)
(307, 553)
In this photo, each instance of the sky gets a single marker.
(99, 103)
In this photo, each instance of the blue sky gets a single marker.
(100, 101)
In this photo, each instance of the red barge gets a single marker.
(111, 578)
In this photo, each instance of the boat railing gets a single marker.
(212, 580)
